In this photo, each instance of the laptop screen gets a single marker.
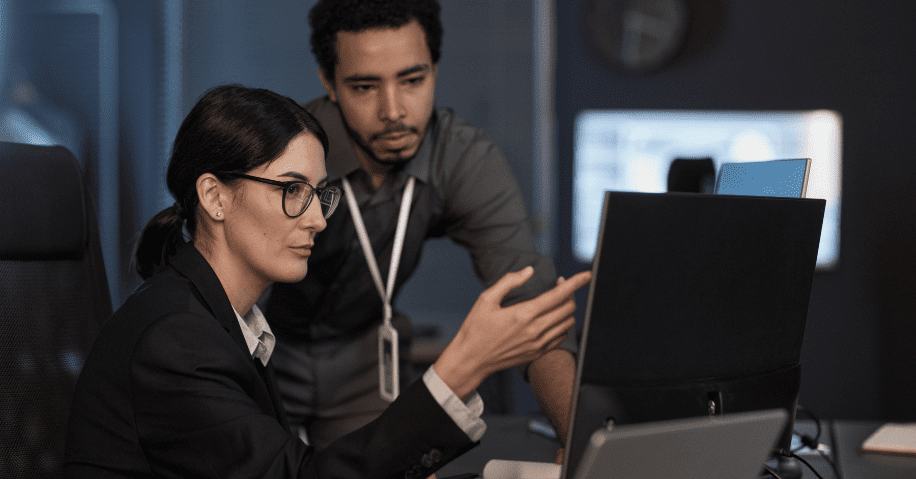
(785, 178)
(733, 446)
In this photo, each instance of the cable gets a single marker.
(782, 452)
(796, 456)
(805, 439)
(813, 443)
(771, 471)
(836, 471)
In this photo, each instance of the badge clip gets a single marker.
(388, 379)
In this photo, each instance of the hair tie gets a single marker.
(178, 209)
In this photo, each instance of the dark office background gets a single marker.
(857, 58)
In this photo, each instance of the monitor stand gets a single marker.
(787, 468)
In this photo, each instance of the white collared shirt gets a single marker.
(258, 336)
(260, 340)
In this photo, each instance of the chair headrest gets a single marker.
(42, 203)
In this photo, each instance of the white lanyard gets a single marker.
(388, 338)
(367, 246)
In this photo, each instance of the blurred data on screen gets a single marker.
(632, 150)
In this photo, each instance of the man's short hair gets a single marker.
(331, 16)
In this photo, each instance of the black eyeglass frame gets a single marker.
(286, 184)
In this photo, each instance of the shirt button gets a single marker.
(436, 455)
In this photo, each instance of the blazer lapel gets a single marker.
(189, 262)
(267, 374)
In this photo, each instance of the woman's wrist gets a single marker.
(460, 372)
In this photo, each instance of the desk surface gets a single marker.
(855, 464)
(508, 437)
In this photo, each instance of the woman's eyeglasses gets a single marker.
(297, 195)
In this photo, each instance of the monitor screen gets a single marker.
(697, 306)
(633, 150)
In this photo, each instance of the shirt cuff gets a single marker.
(465, 415)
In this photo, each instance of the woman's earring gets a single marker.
(219, 213)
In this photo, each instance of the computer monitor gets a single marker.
(697, 306)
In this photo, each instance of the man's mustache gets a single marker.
(397, 128)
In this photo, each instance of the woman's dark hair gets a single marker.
(328, 17)
(231, 129)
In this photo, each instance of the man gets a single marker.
(378, 61)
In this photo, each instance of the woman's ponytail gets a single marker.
(160, 239)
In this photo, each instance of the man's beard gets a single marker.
(398, 159)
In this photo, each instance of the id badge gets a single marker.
(388, 380)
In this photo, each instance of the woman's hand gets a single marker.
(493, 338)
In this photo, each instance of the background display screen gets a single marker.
(632, 150)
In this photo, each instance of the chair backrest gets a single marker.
(692, 175)
(53, 299)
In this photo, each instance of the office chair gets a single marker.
(53, 298)
(691, 175)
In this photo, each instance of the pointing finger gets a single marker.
(560, 293)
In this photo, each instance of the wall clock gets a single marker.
(636, 36)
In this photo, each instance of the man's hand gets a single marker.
(493, 338)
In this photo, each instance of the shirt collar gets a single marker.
(258, 336)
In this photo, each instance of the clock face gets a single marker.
(636, 36)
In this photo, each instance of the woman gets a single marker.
(178, 383)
